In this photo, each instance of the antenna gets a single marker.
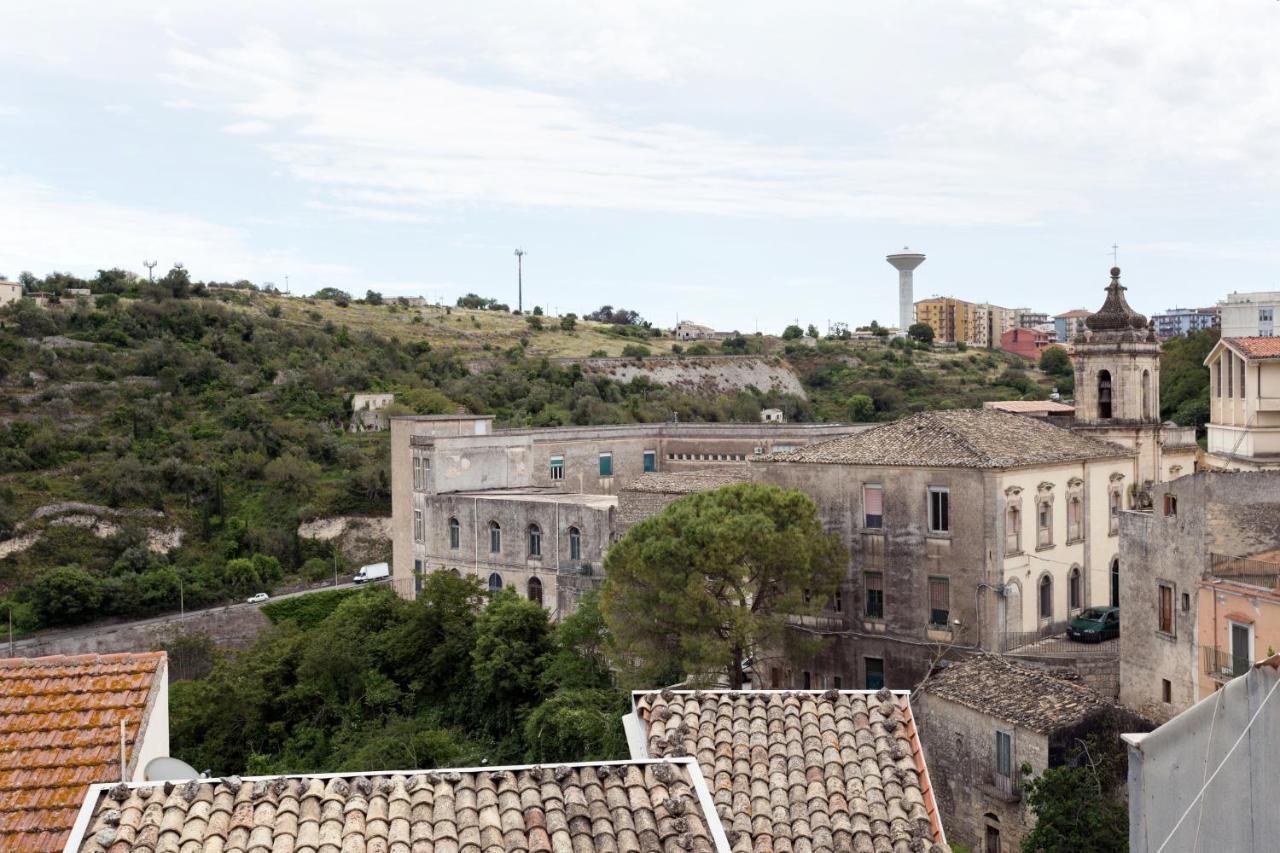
(150, 265)
(519, 281)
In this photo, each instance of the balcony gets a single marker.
(1222, 665)
(1002, 787)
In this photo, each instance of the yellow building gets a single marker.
(952, 320)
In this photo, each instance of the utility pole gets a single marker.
(519, 281)
(286, 285)
(150, 265)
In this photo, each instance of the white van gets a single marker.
(372, 572)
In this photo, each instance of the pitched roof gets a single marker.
(60, 732)
(688, 482)
(960, 438)
(840, 770)
(1021, 406)
(1015, 693)
(1255, 348)
(635, 805)
(1071, 315)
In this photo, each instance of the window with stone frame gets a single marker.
(455, 533)
(575, 543)
(939, 602)
(873, 604)
(939, 509)
(1165, 611)
(1075, 517)
(535, 541)
(495, 537)
(1045, 602)
(417, 473)
(1013, 529)
(1044, 522)
(419, 535)
(873, 506)
(1113, 510)
(1075, 589)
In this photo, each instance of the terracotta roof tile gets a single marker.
(959, 438)
(1020, 406)
(688, 482)
(1016, 693)
(607, 807)
(60, 732)
(1255, 348)
(803, 770)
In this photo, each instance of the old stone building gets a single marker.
(968, 530)
(537, 509)
(1195, 525)
(986, 720)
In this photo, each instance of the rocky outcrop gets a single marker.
(361, 539)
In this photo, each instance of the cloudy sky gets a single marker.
(733, 163)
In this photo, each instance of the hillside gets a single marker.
(168, 441)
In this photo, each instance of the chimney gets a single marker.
(905, 262)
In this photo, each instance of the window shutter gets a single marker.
(873, 497)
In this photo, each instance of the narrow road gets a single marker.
(43, 638)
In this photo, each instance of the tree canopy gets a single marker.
(712, 579)
(1184, 380)
(921, 332)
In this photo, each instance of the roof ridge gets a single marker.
(960, 436)
(89, 657)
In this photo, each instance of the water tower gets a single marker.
(905, 262)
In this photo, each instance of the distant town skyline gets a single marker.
(734, 164)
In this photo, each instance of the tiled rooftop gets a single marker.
(606, 807)
(1255, 348)
(1020, 406)
(59, 732)
(801, 771)
(688, 482)
(1016, 693)
(960, 438)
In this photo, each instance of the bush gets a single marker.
(635, 351)
(307, 611)
(569, 322)
(66, 595)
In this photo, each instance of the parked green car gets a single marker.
(1095, 625)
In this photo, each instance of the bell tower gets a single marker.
(1117, 373)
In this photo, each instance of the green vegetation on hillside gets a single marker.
(457, 678)
(1184, 380)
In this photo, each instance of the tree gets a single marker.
(616, 316)
(373, 297)
(921, 332)
(792, 333)
(332, 294)
(1075, 810)
(812, 331)
(177, 281)
(1184, 382)
(65, 595)
(713, 578)
(861, 408)
(1055, 362)
(512, 635)
(569, 322)
(534, 321)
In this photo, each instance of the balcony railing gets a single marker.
(1222, 664)
(1008, 788)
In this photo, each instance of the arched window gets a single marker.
(535, 591)
(1146, 395)
(575, 543)
(535, 540)
(455, 533)
(1046, 597)
(1013, 530)
(1074, 591)
(495, 537)
(495, 582)
(1104, 393)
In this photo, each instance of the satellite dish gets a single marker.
(166, 769)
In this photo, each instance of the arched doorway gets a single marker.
(1013, 608)
(1115, 581)
(535, 591)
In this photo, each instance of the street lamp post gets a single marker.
(519, 281)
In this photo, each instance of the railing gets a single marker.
(1247, 570)
(1007, 787)
(1222, 664)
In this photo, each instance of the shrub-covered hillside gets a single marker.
(165, 439)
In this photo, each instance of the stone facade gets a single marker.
(1170, 547)
(454, 477)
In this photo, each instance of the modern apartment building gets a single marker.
(1247, 315)
(1069, 325)
(1183, 321)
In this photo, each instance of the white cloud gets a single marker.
(47, 230)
